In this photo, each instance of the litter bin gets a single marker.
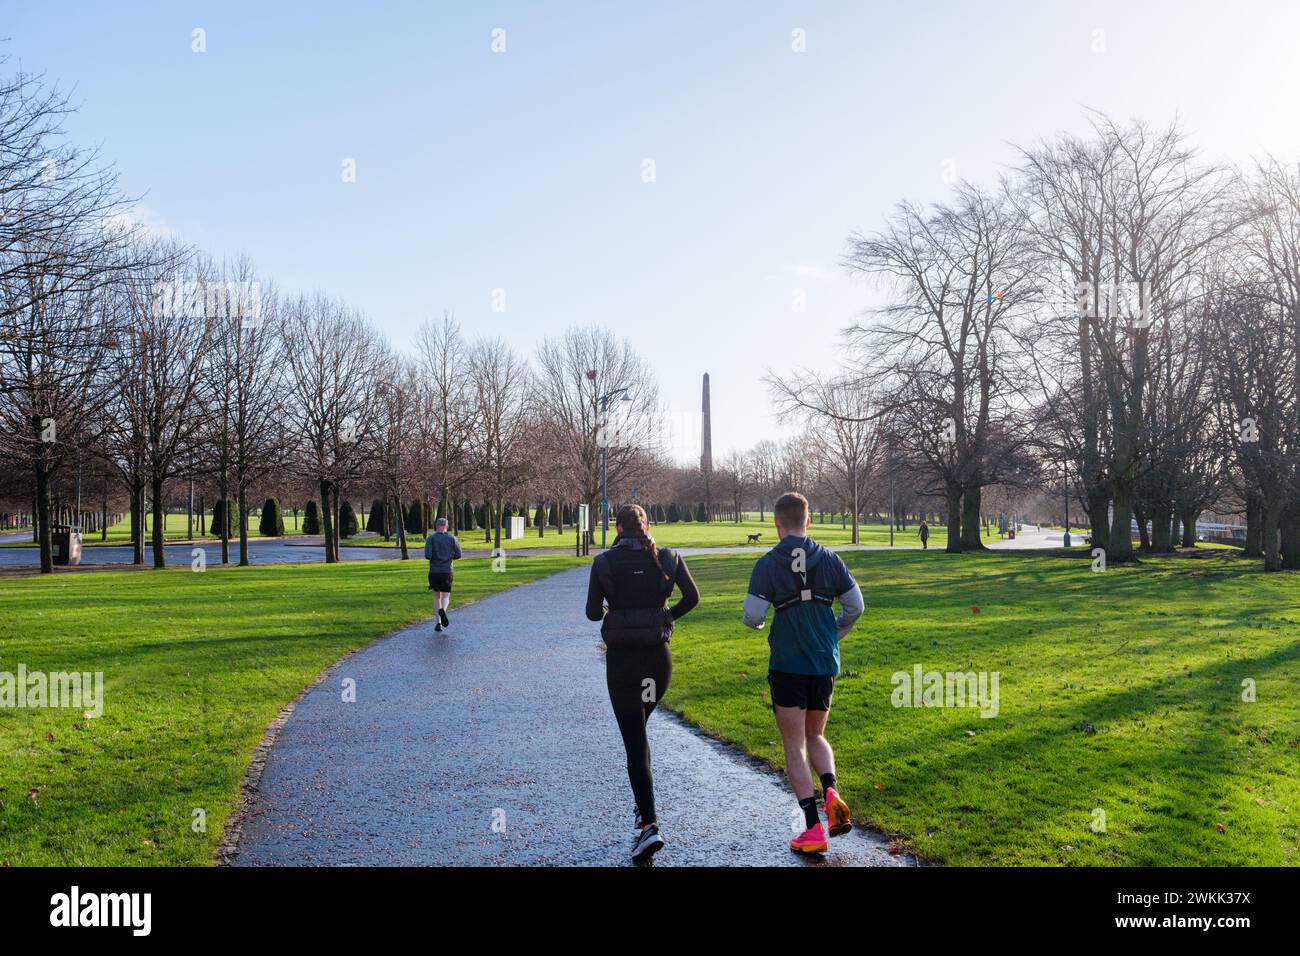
(66, 542)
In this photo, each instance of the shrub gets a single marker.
(311, 518)
(271, 524)
(225, 511)
(415, 518)
(348, 525)
(375, 522)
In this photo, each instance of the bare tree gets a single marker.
(574, 374)
(842, 413)
(333, 359)
(503, 391)
(246, 394)
(938, 352)
(448, 422)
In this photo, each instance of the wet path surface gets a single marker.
(505, 720)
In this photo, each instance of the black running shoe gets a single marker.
(647, 843)
(442, 616)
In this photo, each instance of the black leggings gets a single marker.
(628, 674)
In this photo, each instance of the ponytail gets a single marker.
(633, 523)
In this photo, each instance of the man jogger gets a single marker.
(441, 549)
(802, 580)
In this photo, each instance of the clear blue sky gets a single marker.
(523, 170)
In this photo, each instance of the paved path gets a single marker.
(1032, 538)
(507, 714)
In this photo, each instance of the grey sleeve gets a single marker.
(851, 607)
(756, 611)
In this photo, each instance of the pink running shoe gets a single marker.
(837, 814)
(812, 840)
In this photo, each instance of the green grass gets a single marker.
(1119, 690)
(195, 668)
(689, 534)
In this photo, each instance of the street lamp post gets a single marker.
(602, 426)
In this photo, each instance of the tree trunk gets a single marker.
(243, 526)
(853, 477)
(970, 519)
(1098, 522)
(401, 531)
(1254, 527)
(223, 493)
(327, 521)
(1121, 530)
(43, 514)
(159, 522)
(137, 520)
(1290, 534)
(1162, 539)
(954, 521)
(1272, 552)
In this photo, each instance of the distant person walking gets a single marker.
(801, 579)
(629, 588)
(441, 549)
(924, 532)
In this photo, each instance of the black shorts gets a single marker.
(805, 691)
(440, 581)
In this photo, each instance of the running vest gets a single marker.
(803, 638)
(636, 592)
(806, 590)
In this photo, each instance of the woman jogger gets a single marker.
(635, 579)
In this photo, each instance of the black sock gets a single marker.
(828, 781)
(809, 808)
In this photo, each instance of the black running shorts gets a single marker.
(805, 691)
(440, 581)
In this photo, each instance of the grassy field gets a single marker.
(195, 667)
(690, 534)
(1120, 691)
